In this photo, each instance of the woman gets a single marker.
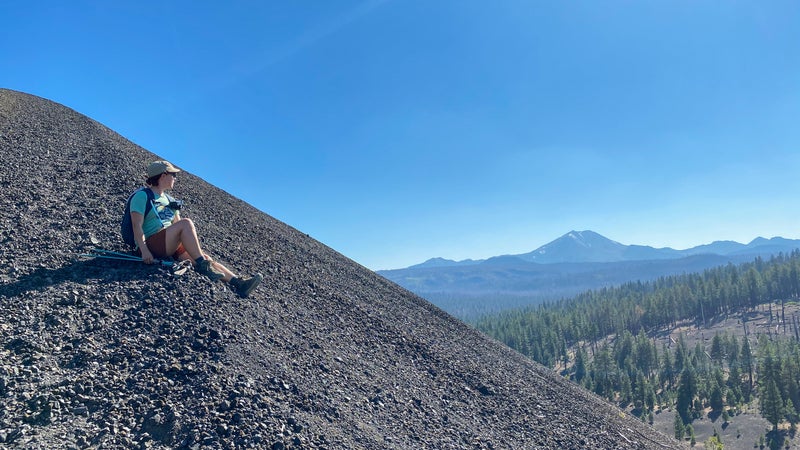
(163, 233)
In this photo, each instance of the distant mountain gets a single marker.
(717, 248)
(573, 263)
(761, 245)
(441, 262)
(577, 246)
(588, 246)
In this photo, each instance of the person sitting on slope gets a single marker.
(163, 233)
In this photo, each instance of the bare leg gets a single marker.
(223, 270)
(183, 232)
(243, 287)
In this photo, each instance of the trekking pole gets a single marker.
(178, 267)
(109, 254)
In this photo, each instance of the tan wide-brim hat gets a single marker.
(158, 167)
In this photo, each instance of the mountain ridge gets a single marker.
(589, 246)
(574, 263)
(325, 354)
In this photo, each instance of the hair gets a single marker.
(153, 181)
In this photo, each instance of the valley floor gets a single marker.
(744, 430)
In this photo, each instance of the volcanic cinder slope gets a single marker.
(325, 354)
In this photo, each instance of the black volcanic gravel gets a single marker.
(324, 355)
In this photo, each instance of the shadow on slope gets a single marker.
(77, 272)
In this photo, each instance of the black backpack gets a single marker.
(126, 226)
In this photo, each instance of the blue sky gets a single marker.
(399, 130)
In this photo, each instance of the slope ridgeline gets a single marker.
(325, 354)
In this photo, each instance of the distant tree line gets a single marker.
(600, 339)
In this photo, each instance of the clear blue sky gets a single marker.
(399, 130)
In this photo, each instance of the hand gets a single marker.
(147, 257)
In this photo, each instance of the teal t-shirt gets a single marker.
(161, 216)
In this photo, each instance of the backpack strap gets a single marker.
(150, 204)
(126, 227)
(151, 196)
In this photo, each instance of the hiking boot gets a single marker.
(204, 267)
(244, 286)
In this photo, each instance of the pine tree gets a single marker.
(667, 367)
(644, 353)
(625, 389)
(747, 366)
(681, 356)
(790, 413)
(686, 392)
(713, 443)
(790, 376)
(716, 398)
(771, 404)
(623, 350)
(603, 373)
(690, 432)
(733, 352)
(639, 392)
(579, 369)
(679, 427)
(717, 349)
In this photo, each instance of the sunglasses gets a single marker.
(172, 174)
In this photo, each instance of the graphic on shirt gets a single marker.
(165, 214)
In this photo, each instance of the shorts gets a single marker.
(157, 244)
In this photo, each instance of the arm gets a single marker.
(137, 219)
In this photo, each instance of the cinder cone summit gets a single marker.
(325, 354)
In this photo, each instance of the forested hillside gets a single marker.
(621, 343)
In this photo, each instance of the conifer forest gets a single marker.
(607, 341)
